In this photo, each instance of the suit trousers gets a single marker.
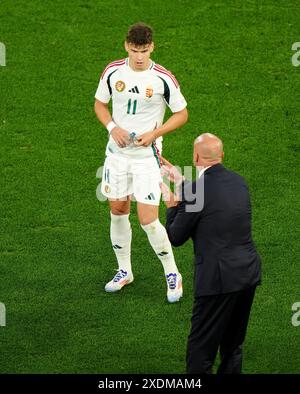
(219, 322)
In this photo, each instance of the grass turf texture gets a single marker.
(233, 60)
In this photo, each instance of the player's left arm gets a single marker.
(175, 121)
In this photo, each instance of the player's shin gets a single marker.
(161, 245)
(120, 235)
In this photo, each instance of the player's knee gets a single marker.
(149, 217)
(120, 208)
(145, 222)
(119, 211)
(149, 220)
(152, 227)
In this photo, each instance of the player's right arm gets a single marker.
(103, 96)
(120, 135)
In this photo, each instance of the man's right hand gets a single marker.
(120, 136)
(171, 172)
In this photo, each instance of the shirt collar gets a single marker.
(152, 64)
(202, 171)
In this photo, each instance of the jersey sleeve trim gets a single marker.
(166, 90)
(108, 82)
(116, 63)
(164, 71)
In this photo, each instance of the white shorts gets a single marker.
(138, 178)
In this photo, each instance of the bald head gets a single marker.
(208, 150)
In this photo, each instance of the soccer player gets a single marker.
(140, 90)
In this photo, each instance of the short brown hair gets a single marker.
(139, 34)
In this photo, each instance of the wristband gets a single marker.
(111, 125)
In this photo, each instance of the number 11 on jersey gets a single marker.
(129, 107)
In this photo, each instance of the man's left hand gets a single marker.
(145, 139)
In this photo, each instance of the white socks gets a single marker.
(120, 235)
(161, 245)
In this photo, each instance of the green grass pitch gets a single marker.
(233, 61)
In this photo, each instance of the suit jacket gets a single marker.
(225, 256)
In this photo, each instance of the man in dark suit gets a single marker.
(215, 212)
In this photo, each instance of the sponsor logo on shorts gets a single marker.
(150, 197)
(120, 86)
(107, 189)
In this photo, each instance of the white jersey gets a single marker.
(139, 100)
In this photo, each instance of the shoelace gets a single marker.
(119, 275)
(172, 279)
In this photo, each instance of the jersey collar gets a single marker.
(152, 64)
